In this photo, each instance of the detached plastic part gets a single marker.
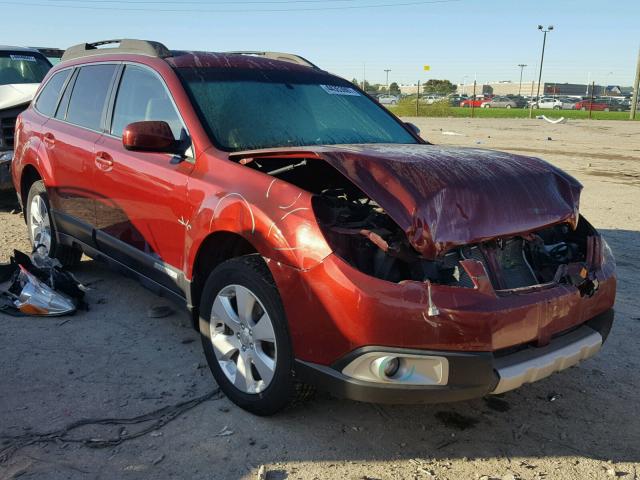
(37, 298)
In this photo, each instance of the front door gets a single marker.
(142, 208)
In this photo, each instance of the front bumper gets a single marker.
(5, 170)
(471, 374)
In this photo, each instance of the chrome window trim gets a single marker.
(116, 63)
(60, 93)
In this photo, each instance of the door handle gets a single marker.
(49, 139)
(104, 161)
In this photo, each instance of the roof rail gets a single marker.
(285, 57)
(125, 45)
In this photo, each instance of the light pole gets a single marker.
(387, 70)
(463, 84)
(521, 65)
(544, 42)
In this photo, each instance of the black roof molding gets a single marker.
(284, 57)
(125, 45)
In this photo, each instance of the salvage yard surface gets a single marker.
(115, 362)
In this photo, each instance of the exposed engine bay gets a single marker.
(361, 233)
(364, 235)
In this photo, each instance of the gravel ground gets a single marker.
(115, 362)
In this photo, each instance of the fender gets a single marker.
(272, 215)
(31, 152)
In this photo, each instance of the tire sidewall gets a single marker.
(239, 272)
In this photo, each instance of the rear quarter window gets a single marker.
(89, 95)
(48, 98)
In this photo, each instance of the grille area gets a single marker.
(513, 269)
(7, 129)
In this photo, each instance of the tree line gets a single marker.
(443, 87)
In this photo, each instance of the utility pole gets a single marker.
(531, 100)
(521, 65)
(387, 70)
(593, 86)
(636, 85)
(473, 99)
(544, 42)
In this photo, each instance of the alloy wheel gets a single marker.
(243, 339)
(39, 224)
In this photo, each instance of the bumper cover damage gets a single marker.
(471, 375)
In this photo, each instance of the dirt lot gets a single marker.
(114, 361)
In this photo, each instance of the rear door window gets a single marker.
(87, 103)
(48, 98)
(143, 96)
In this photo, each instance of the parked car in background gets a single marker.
(455, 99)
(473, 102)
(600, 104)
(330, 246)
(547, 103)
(388, 99)
(432, 98)
(53, 54)
(503, 102)
(21, 71)
(568, 103)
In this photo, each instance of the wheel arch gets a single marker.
(216, 248)
(28, 177)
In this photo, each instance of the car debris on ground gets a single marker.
(39, 286)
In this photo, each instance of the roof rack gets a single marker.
(125, 45)
(285, 57)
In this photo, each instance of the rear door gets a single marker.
(141, 207)
(70, 139)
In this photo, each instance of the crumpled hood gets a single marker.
(17, 94)
(448, 196)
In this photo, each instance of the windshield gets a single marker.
(249, 109)
(22, 67)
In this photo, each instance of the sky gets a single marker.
(461, 40)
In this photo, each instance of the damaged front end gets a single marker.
(360, 232)
(441, 249)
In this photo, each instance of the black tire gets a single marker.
(251, 272)
(67, 256)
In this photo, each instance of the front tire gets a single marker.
(42, 232)
(245, 336)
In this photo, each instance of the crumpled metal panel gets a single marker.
(448, 196)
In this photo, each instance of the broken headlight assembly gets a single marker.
(360, 232)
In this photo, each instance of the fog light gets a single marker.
(400, 368)
(390, 366)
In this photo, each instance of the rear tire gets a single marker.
(248, 349)
(41, 228)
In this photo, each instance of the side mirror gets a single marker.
(150, 136)
(414, 129)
